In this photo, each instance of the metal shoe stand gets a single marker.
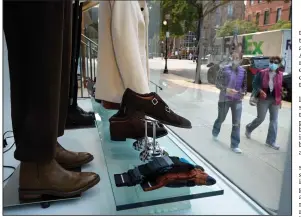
(150, 148)
(11, 194)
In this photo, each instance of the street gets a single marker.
(258, 171)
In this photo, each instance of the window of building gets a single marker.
(218, 17)
(278, 16)
(266, 17)
(251, 2)
(257, 18)
(249, 17)
(230, 10)
(290, 14)
(259, 1)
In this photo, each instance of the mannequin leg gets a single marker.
(34, 34)
(65, 158)
(77, 117)
(35, 76)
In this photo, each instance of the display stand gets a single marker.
(11, 194)
(150, 147)
(121, 156)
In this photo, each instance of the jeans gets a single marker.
(236, 109)
(262, 107)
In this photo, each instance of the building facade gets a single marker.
(266, 14)
(230, 11)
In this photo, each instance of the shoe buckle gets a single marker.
(167, 109)
(154, 101)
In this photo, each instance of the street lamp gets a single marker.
(167, 34)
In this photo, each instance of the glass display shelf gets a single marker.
(121, 156)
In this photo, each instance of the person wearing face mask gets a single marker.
(232, 82)
(268, 84)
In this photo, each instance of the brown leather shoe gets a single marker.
(152, 105)
(37, 180)
(70, 159)
(123, 126)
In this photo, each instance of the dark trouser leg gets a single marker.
(76, 37)
(66, 67)
(77, 117)
(34, 34)
(78, 42)
(223, 108)
(236, 110)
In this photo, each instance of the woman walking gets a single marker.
(268, 84)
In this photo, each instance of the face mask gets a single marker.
(236, 62)
(273, 66)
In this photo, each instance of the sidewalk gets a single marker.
(258, 171)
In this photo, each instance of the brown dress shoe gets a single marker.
(70, 159)
(152, 105)
(124, 127)
(38, 179)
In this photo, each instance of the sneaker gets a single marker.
(274, 146)
(248, 134)
(237, 150)
(214, 138)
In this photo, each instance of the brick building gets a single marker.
(266, 14)
(230, 11)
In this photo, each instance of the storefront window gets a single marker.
(252, 161)
(218, 125)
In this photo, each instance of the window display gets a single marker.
(159, 128)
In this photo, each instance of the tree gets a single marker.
(242, 26)
(203, 8)
(182, 17)
(281, 24)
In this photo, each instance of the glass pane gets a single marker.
(190, 89)
(121, 156)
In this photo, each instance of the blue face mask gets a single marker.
(273, 66)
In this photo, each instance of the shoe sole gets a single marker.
(79, 164)
(166, 123)
(28, 194)
(273, 147)
(119, 139)
(75, 126)
(162, 121)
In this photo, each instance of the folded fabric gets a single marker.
(173, 172)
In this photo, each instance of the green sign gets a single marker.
(251, 47)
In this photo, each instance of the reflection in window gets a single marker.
(266, 17)
(278, 16)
